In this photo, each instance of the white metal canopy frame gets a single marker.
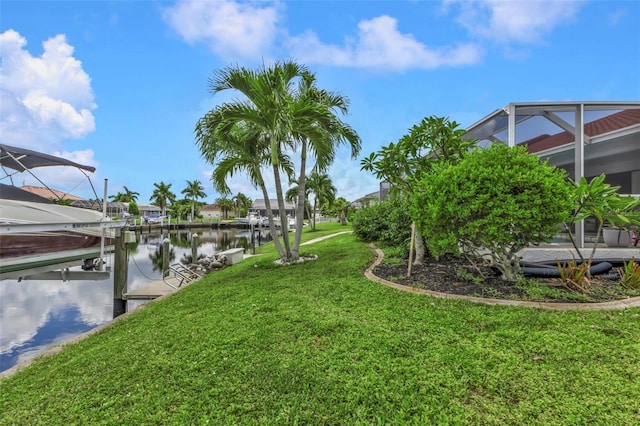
(40, 236)
(584, 138)
(15, 160)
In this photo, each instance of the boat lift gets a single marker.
(55, 266)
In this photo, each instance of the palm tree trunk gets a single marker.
(272, 228)
(315, 202)
(308, 208)
(284, 224)
(295, 251)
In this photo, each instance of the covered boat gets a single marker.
(37, 234)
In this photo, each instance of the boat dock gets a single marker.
(179, 276)
(151, 291)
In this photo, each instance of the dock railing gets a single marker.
(178, 275)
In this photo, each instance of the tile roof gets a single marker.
(607, 124)
(210, 207)
(49, 193)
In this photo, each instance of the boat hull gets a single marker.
(44, 242)
(15, 212)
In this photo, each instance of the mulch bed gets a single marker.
(455, 276)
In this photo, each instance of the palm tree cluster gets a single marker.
(164, 198)
(226, 205)
(281, 112)
(323, 190)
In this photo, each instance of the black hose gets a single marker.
(554, 272)
(615, 261)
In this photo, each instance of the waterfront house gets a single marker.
(584, 138)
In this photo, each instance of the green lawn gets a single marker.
(317, 343)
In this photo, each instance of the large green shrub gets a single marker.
(494, 202)
(387, 223)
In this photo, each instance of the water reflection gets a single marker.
(36, 314)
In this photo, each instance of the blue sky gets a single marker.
(120, 85)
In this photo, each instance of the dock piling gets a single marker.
(120, 272)
(166, 249)
(194, 248)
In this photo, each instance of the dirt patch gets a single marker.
(458, 276)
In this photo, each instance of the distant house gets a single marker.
(148, 209)
(369, 199)
(49, 193)
(259, 207)
(117, 209)
(211, 211)
(54, 194)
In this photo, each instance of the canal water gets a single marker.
(35, 315)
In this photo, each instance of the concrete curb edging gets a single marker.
(633, 302)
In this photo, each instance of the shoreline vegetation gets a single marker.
(319, 343)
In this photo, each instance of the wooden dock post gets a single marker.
(194, 248)
(166, 248)
(120, 273)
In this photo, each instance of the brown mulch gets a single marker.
(455, 276)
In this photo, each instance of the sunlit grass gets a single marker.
(317, 343)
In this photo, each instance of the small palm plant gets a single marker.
(602, 201)
(630, 274)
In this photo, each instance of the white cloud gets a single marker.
(350, 182)
(380, 45)
(513, 21)
(45, 99)
(250, 30)
(616, 16)
(229, 27)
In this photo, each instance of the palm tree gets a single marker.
(283, 115)
(341, 206)
(125, 197)
(240, 149)
(318, 134)
(226, 205)
(193, 192)
(161, 195)
(292, 195)
(242, 203)
(323, 190)
(267, 108)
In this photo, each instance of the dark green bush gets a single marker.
(387, 223)
(496, 200)
(133, 208)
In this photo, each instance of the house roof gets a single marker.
(538, 116)
(49, 193)
(610, 123)
(259, 204)
(210, 207)
(10, 192)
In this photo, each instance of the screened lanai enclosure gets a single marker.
(584, 138)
